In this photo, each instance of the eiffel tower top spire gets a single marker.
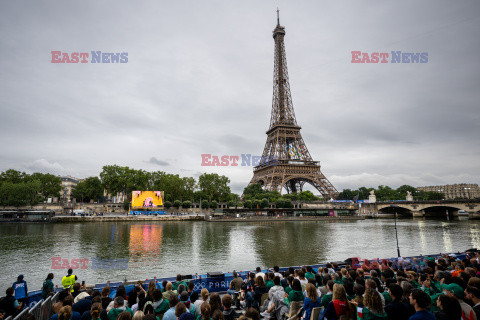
(282, 105)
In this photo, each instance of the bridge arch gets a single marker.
(441, 211)
(400, 210)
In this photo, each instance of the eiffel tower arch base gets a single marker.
(293, 178)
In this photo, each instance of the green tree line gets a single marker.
(20, 189)
(210, 186)
(384, 193)
(254, 196)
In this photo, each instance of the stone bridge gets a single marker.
(437, 208)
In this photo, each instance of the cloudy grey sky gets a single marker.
(199, 80)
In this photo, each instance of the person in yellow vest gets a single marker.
(69, 280)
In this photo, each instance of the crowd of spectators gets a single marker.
(445, 288)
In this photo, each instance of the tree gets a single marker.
(256, 203)
(429, 195)
(347, 194)
(306, 196)
(231, 204)
(384, 193)
(20, 189)
(290, 196)
(6, 189)
(117, 179)
(177, 204)
(214, 186)
(213, 204)
(272, 196)
(136, 180)
(198, 195)
(204, 204)
(113, 178)
(435, 195)
(186, 204)
(50, 185)
(253, 191)
(12, 176)
(280, 203)
(189, 184)
(173, 186)
(288, 204)
(89, 189)
(265, 203)
(363, 193)
(20, 194)
(247, 204)
(233, 197)
(79, 192)
(402, 191)
(167, 204)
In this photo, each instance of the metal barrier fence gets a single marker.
(22, 314)
(55, 297)
(36, 310)
(46, 309)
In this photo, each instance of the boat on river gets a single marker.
(220, 281)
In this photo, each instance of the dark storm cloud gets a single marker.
(199, 80)
(158, 162)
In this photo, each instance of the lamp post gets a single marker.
(396, 233)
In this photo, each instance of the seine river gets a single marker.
(164, 249)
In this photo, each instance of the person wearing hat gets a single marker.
(457, 292)
(20, 287)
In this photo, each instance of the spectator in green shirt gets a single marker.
(269, 284)
(296, 294)
(310, 274)
(178, 282)
(47, 286)
(326, 298)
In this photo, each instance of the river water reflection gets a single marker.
(165, 249)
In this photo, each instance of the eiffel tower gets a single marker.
(286, 162)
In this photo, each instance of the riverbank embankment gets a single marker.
(282, 219)
(139, 218)
(125, 218)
